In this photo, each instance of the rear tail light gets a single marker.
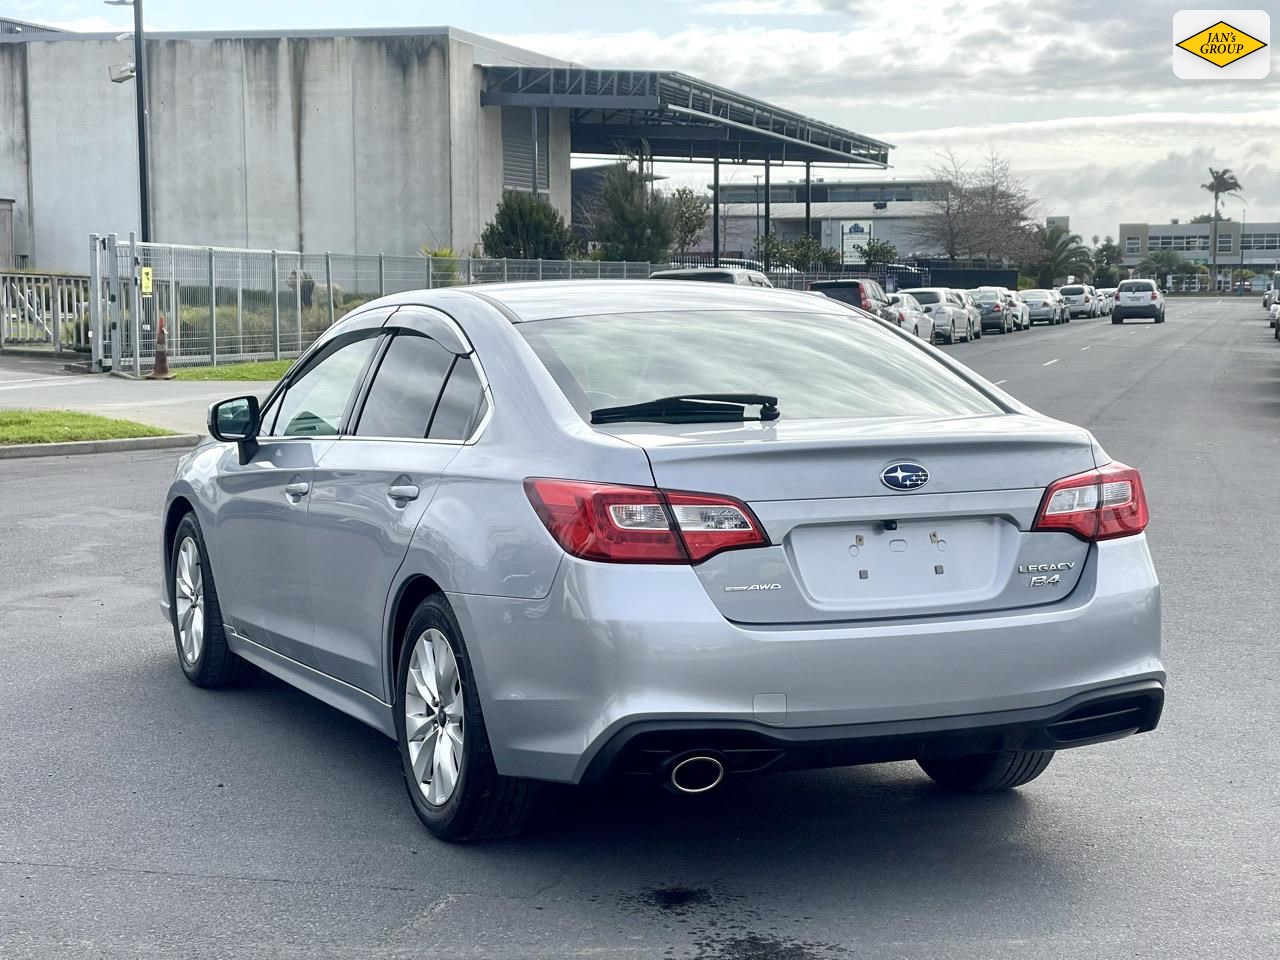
(620, 524)
(1096, 505)
(996, 308)
(1154, 295)
(902, 318)
(866, 303)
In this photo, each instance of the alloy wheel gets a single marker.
(188, 597)
(434, 717)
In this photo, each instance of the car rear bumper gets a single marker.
(617, 645)
(647, 748)
(1044, 313)
(1145, 311)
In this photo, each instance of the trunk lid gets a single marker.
(844, 546)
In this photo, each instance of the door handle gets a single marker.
(402, 491)
(298, 489)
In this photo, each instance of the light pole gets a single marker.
(1244, 218)
(140, 80)
(757, 176)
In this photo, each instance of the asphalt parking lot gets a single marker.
(142, 817)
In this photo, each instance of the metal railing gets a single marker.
(39, 309)
(227, 305)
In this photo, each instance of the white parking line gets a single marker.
(998, 382)
(1086, 348)
(27, 385)
(1048, 362)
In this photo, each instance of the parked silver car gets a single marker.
(951, 318)
(1043, 305)
(671, 531)
(911, 315)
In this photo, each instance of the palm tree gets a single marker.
(1061, 254)
(1221, 183)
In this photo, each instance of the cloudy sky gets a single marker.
(1079, 94)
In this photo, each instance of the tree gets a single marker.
(1107, 257)
(630, 221)
(1061, 255)
(1208, 218)
(981, 212)
(527, 228)
(876, 252)
(690, 212)
(773, 251)
(1161, 263)
(1222, 183)
(807, 253)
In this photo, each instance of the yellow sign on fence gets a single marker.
(144, 278)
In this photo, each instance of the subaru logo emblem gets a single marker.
(904, 476)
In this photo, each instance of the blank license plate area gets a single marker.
(868, 568)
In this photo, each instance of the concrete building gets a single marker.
(842, 214)
(1255, 246)
(374, 141)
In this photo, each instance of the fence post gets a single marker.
(56, 288)
(505, 261)
(213, 313)
(275, 300)
(297, 298)
(240, 304)
(470, 272)
(95, 305)
(430, 272)
(382, 274)
(539, 268)
(113, 285)
(328, 282)
(135, 320)
(174, 333)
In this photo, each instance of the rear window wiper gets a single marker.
(692, 408)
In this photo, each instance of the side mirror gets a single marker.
(236, 421)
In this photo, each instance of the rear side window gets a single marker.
(1136, 286)
(405, 388)
(819, 366)
(1072, 291)
(460, 406)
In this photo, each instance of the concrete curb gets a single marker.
(76, 447)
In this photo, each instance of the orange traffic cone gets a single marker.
(160, 371)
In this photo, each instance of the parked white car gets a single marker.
(951, 318)
(912, 316)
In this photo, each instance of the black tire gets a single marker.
(1116, 319)
(949, 337)
(484, 805)
(1160, 318)
(215, 666)
(987, 772)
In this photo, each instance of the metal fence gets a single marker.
(225, 305)
(39, 309)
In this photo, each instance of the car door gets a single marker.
(260, 530)
(372, 487)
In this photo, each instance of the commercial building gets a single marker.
(1254, 246)
(373, 141)
(842, 214)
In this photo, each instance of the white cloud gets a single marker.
(763, 8)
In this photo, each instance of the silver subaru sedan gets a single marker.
(674, 532)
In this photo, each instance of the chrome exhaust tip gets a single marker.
(696, 773)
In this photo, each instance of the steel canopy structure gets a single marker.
(659, 115)
(674, 117)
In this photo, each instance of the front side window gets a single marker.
(313, 404)
(819, 366)
(405, 388)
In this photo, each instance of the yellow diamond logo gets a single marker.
(1221, 44)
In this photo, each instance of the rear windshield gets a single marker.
(1071, 291)
(927, 296)
(1134, 286)
(1034, 294)
(844, 292)
(715, 276)
(985, 296)
(819, 366)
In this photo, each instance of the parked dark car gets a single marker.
(865, 294)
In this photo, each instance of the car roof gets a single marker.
(695, 271)
(545, 299)
(832, 284)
